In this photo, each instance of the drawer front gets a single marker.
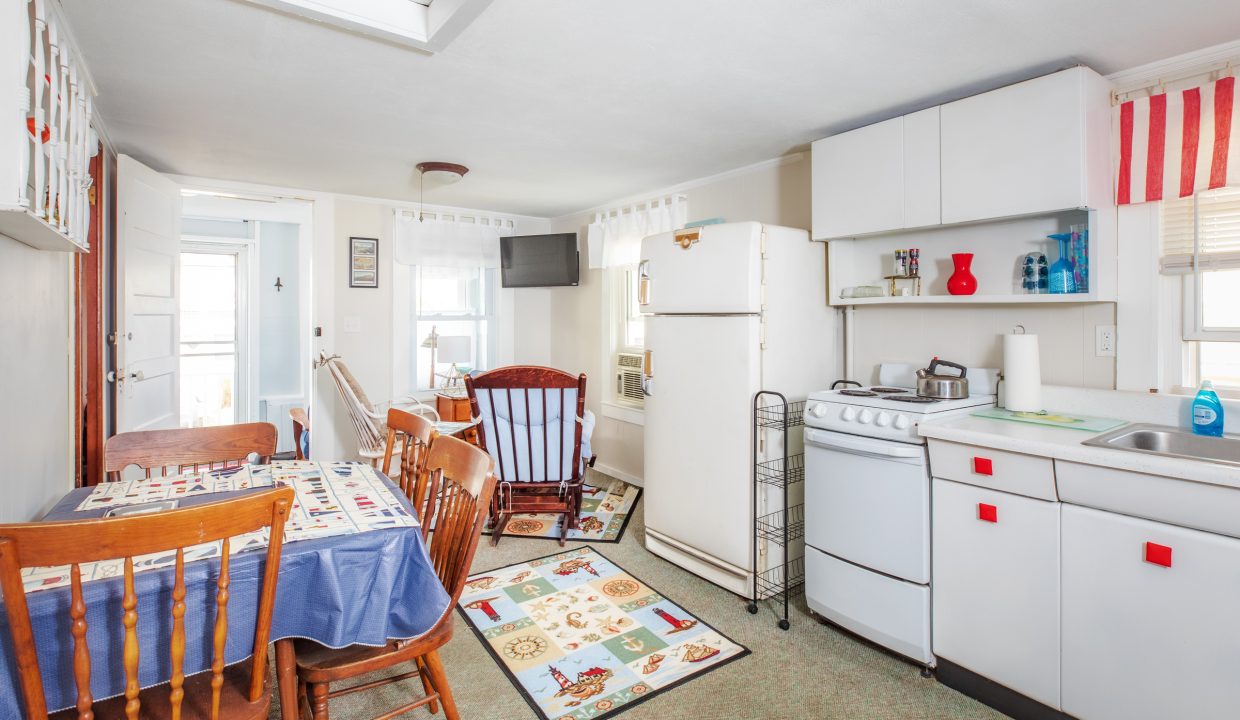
(995, 469)
(1150, 619)
(996, 586)
(1214, 508)
(891, 612)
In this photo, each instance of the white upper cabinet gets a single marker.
(878, 178)
(921, 169)
(1035, 147)
(858, 181)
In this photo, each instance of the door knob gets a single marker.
(139, 375)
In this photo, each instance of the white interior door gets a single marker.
(148, 249)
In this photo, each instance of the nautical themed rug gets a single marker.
(606, 506)
(581, 638)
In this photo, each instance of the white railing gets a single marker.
(51, 141)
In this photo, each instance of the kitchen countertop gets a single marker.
(1065, 444)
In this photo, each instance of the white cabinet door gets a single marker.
(996, 586)
(1151, 619)
(921, 169)
(1015, 150)
(858, 181)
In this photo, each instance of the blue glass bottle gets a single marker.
(1063, 273)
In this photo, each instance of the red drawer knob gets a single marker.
(983, 466)
(1158, 554)
(987, 513)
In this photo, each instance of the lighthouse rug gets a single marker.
(582, 638)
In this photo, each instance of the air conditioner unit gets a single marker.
(629, 379)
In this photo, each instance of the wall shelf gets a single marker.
(998, 249)
(973, 300)
(26, 227)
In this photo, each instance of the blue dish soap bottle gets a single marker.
(1063, 273)
(1207, 411)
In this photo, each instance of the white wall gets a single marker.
(36, 422)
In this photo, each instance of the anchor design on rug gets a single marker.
(485, 606)
(589, 683)
(633, 644)
(677, 624)
(568, 567)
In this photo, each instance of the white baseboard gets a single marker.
(618, 474)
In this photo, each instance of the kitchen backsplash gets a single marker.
(971, 335)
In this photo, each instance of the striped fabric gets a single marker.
(1175, 144)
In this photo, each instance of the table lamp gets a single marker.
(454, 349)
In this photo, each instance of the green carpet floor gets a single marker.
(809, 671)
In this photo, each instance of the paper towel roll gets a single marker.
(1022, 373)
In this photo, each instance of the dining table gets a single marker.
(354, 570)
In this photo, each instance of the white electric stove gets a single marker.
(867, 506)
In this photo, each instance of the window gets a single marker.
(628, 337)
(1201, 242)
(631, 326)
(454, 316)
(209, 337)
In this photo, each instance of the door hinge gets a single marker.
(112, 339)
(762, 334)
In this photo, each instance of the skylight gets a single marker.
(423, 24)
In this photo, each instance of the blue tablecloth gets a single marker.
(364, 589)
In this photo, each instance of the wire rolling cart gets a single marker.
(781, 526)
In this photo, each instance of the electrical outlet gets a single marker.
(1104, 340)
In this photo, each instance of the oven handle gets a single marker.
(863, 446)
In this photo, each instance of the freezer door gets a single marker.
(697, 433)
(710, 270)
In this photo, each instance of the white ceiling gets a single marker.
(559, 105)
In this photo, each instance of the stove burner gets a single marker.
(859, 393)
(910, 399)
(886, 390)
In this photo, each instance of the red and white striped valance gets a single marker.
(1175, 144)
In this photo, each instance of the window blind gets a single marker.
(1204, 227)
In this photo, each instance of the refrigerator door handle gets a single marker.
(647, 372)
(643, 282)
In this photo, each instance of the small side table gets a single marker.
(455, 408)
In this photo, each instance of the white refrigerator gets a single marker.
(730, 309)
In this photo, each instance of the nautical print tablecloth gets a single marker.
(371, 585)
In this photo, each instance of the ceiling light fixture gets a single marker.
(438, 173)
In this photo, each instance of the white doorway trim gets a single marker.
(206, 200)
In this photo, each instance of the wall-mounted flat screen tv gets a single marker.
(539, 260)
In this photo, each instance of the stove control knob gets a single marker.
(818, 410)
(883, 419)
(865, 416)
(901, 422)
(848, 414)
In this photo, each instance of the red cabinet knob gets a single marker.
(983, 466)
(987, 513)
(1158, 554)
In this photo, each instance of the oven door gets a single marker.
(867, 501)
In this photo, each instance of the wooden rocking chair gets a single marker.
(531, 424)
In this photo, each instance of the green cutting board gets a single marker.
(1074, 422)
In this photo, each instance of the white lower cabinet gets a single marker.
(996, 586)
(1151, 619)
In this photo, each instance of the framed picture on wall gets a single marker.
(363, 262)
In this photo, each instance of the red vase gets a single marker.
(962, 281)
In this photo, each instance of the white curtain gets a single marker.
(614, 238)
(450, 241)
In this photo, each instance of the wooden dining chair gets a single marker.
(410, 436)
(236, 692)
(461, 478)
(531, 421)
(185, 448)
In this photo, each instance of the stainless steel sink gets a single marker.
(1171, 442)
